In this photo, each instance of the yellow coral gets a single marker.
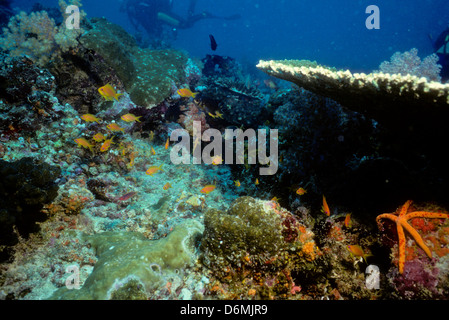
(308, 251)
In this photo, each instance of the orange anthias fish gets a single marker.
(237, 183)
(348, 222)
(186, 93)
(84, 143)
(90, 118)
(108, 93)
(256, 182)
(208, 189)
(357, 251)
(99, 137)
(129, 117)
(105, 146)
(167, 143)
(325, 208)
(115, 127)
(153, 169)
(301, 191)
(153, 152)
(167, 186)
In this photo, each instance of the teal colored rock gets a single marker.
(129, 260)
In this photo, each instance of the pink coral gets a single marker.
(409, 63)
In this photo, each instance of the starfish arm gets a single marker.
(386, 216)
(404, 208)
(425, 214)
(417, 237)
(401, 246)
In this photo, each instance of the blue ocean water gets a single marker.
(330, 32)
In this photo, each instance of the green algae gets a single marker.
(129, 255)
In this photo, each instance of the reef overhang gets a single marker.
(386, 98)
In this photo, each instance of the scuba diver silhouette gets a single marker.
(154, 15)
(441, 46)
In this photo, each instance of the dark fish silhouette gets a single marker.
(213, 43)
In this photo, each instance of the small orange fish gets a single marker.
(167, 186)
(108, 93)
(129, 117)
(167, 143)
(84, 143)
(237, 183)
(325, 208)
(153, 169)
(357, 251)
(153, 152)
(115, 127)
(90, 118)
(186, 93)
(216, 160)
(208, 189)
(301, 191)
(99, 137)
(348, 221)
(105, 146)
(256, 182)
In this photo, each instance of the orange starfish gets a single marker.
(401, 222)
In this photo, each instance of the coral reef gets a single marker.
(37, 36)
(228, 91)
(261, 243)
(147, 75)
(389, 99)
(415, 275)
(25, 187)
(77, 193)
(409, 114)
(135, 258)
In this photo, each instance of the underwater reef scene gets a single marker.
(353, 203)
